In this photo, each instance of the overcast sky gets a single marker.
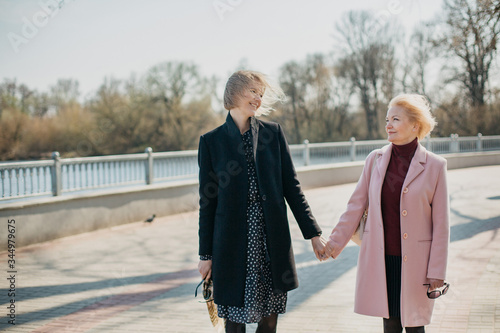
(89, 40)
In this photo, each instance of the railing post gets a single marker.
(428, 143)
(479, 144)
(55, 173)
(149, 166)
(306, 153)
(455, 148)
(353, 148)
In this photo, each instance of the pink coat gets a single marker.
(424, 235)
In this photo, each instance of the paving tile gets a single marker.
(141, 277)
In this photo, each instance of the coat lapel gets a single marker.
(258, 143)
(377, 177)
(416, 165)
(382, 161)
(235, 135)
(255, 126)
(235, 142)
(232, 129)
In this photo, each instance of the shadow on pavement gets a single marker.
(470, 229)
(332, 269)
(61, 289)
(110, 300)
(345, 262)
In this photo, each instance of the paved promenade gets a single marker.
(141, 277)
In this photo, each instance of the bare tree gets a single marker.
(294, 81)
(328, 99)
(317, 100)
(110, 107)
(368, 62)
(20, 97)
(341, 92)
(171, 85)
(419, 52)
(319, 74)
(471, 36)
(64, 93)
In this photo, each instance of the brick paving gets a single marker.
(141, 277)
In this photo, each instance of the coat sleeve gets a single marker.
(349, 220)
(438, 256)
(293, 192)
(208, 199)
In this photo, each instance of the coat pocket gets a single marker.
(424, 250)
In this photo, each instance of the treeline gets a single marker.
(330, 97)
(167, 109)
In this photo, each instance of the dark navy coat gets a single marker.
(223, 224)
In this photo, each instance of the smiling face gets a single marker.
(250, 100)
(399, 127)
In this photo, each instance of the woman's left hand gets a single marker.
(435, 283)
(318, 245)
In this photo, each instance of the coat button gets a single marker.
(264, 197)
(405, 190)
(405, 235)
(404, 212)
(405, 258)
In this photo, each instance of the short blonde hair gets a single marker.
(241, 80)
(418, 110)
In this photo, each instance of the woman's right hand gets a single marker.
(205, 269)
(330, 249)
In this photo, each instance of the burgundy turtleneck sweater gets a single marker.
(391, 195)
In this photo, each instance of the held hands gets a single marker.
(329, 250)
(318, 245)
(322, 248)
(205, 269)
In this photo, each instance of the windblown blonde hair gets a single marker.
(418, 110)
(241, 80)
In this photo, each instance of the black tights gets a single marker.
(232, 327)
(266, 325)
(393, 325)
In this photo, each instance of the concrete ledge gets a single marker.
(50, 218)
(469, 160)
(329, 174)
(44, 219)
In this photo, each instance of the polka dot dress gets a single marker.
(259, 298)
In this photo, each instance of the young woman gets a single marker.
(406, 236)
(246, 173)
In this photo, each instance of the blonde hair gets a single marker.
(418, 110)
(241, 80)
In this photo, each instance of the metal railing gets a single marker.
(66, 175)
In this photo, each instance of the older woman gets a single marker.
(246, 173)
(406, 236)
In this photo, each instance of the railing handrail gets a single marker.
(180, 153)
(19, 179)
(104, 158)
(189, 153)
(466, 138)
(25, 164)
